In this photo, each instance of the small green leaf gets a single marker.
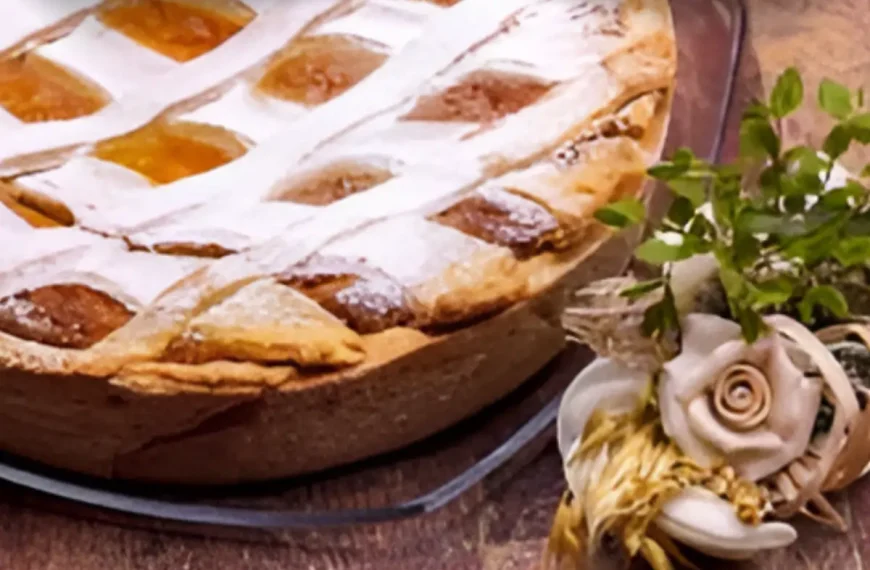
(725, 200)
(694, 189)
(835, 99)
(806, 159)
(754, 222)
(807, 183)
(672, 317)
(824, 297)
(844, 197)
(684, 156)
(819, 242)
(751, 325)
(622, 214)
(774, 291)
(795, 203)
(858, 225)
(701, 228)
(865, 172)
(859, 96)
(787, 94)
(757, 110)
(662, 316)
(747, 249)
(771, 180)
(733, 281)
(837, 142)
(653, 320)
(758, 139)
(859, 127)
(638, 290)
(667, 170)
(681, 211)
(656, 252)
(852, 251)
(725, 172)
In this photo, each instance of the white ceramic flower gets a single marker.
(705, 522)
(696, 517)
(747, 405)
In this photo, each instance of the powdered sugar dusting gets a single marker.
(390, 23)
(396, 258)
(521, 212)
(10, 222)
(266, 302)
(28, 315)
(419, 250)
(24, 18)
(109, 58)
(365, 298)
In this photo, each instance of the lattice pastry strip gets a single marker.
(453, 276)
(315, 67)
(239, 223)
(135, 279)
(399, 78)
(10, 221)
(106, 57)
(213, 231)
(69, 288)
(308, 209)
(36, 145)
(101, 58)
(19, 216)
(64, 255)
(604, 162)
(443, 127)
(156, 144)
(571, 186)
(42, 246)
(412, 130)
(30, 21)
(549, 205)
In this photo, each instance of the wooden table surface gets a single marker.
(504, 527)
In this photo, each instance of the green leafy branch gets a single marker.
(780, 234)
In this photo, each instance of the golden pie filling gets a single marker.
(177, 29)
(498, 217)
(313, 70)
(165, 151)
(480, 97)
(32, 216)
(64, 316)
(34, 89)
(333, 184)
(366, 300)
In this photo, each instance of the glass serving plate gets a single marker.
(454, 464)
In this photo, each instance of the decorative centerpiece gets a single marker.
(730, 390)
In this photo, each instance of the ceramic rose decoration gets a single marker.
(748, 405)
(731, 391)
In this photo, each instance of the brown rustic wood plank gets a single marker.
(502, 526)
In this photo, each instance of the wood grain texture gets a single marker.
(502, 525)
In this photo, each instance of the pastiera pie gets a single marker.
(242, 240)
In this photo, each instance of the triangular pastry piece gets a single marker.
(267, 322)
